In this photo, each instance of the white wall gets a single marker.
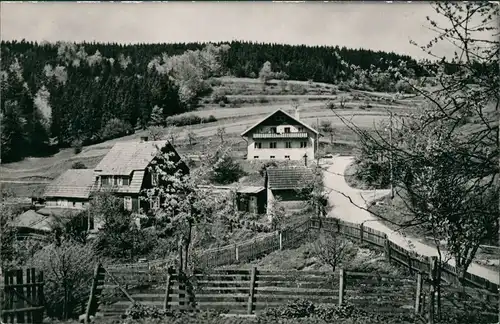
(295, 153)
(65, 203)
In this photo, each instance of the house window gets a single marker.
(154, 179)
(105, 181)
(256, 157)
(272, 145)
(74, 204)
(273, 130)
(272, 156)
(303, 144)
(301, 129)
(288, 144)
(126, 181)
(127, 203)
(155, 203)
(118, 181)
(287, 130)
(258, 145)
(287, 157)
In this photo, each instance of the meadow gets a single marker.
(254, 101)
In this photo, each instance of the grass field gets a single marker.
(365, 109)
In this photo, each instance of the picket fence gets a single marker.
(21, 298)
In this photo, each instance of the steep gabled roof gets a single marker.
(286, 114)
(74, 183)
(287, 178)
(126, 157)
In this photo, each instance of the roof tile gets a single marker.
(287, 178)
(74, 183)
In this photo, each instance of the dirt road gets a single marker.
(345, 210)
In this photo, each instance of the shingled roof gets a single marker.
(287, 178)
(74, 183)
(126, 157)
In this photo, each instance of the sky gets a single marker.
(370, 25)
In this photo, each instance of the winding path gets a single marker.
(345, 210)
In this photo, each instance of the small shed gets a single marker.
(252, 199)
(284, 183)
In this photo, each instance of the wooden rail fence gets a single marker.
(292, 237)
(22, 296)
(410, 259)
(250, 291)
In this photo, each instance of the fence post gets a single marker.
(92, 295)
(418, 297)
(252, 290)
(408, 258)
(341, 286)
(167, 289)
(237, 254)
(387, 248)
(361, 232)
(432, 294)
(281, 240)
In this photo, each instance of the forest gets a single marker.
(57, 95)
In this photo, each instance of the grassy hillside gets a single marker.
(30, 176)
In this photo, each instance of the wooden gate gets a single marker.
(22, 296)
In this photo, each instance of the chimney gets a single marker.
(297, 115)
(144, 139)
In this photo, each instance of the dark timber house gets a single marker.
(124, 171)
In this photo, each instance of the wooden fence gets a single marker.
(250, 291)
(292, 237)
(410, 259)
(22, 296)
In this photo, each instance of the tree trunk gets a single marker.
(179, 249)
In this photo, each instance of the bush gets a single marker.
(115, 128)
(77, 146)
(222, 104)
(78, 165)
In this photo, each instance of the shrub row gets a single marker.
(189, 119)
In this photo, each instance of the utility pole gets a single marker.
(390, 157)
(317, 142)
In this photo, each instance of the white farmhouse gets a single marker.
(281, 136)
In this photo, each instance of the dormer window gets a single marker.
(273, 130)
(126, 181)
(287, 130)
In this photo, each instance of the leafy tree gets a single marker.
(221, 132)
(277, 214)
(191, 136)
(266, 72)
(172, 134)
(326, 127)
(116, 128)
(224, 168)
(157, 118)
(68, 271)
(332, 250)
(118, 237)
(445, 155)
(156, 133)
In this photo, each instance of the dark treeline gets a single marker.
(63, 94)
